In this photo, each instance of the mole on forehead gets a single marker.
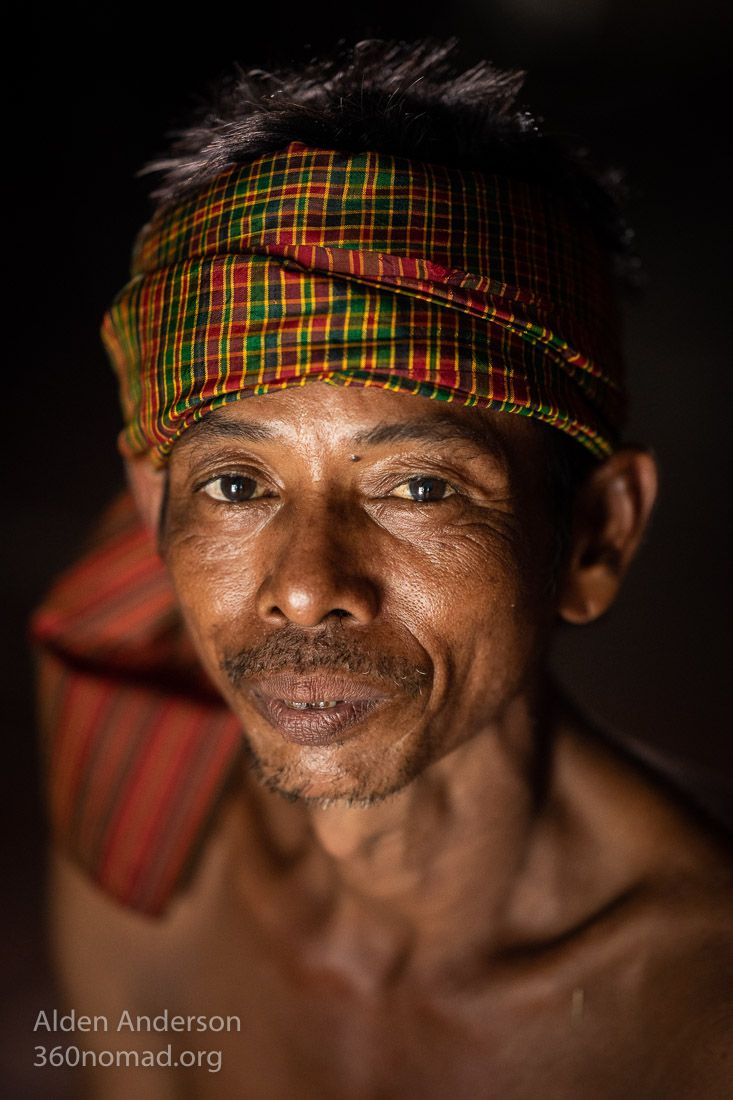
(440, 428)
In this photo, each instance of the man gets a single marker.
(393, 862)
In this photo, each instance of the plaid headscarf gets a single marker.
(366, 269)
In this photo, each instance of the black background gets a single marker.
(89, 97)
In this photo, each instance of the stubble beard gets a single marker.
(372, 780)
(371, 784)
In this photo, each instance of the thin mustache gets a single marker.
(300, 653)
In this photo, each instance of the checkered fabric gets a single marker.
(366, 269)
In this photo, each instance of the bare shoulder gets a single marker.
(91, 934)
(141, 957)
(686, 957)
(671, 946)
(114, 965)
(645, 824)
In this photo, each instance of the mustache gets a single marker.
(298, 652)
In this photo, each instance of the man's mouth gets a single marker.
(320, 704)
(317, 708)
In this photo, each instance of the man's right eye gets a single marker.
(233, 488)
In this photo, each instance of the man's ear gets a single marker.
(610, 516)
(147, 484)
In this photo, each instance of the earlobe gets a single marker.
(611, 515)
(147, 485)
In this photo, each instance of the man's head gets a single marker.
(370, 577)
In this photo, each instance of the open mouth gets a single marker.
(319, 704)
(316, 709)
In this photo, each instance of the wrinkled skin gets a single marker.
(465, 893)
(450, 593)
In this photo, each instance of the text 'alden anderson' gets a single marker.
(163, 1022)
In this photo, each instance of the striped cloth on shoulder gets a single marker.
(137, 745)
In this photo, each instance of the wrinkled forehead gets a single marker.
(356, 422)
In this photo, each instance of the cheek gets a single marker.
(471, 598)
(461, 593)
(214, 578)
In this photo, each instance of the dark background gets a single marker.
(90, 95)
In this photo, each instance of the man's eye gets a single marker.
(233, 488)
(424, 490)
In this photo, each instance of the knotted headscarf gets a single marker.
(372, 270)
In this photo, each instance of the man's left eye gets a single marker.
(424, 490)
(233, 488)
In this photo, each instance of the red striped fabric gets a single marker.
(138, 746)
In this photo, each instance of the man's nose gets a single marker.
(317, 567)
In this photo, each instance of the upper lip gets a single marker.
(301, 687)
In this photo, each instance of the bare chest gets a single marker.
(271, 1029)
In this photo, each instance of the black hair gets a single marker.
(408, 99)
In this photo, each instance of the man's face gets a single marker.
(364, 575)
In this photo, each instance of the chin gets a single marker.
(358, 783)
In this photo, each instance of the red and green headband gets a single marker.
(370, 270)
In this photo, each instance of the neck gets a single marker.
(430, 875)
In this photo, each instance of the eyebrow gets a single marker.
(218, 427)
(438, 429)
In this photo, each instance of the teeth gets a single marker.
(321, 704)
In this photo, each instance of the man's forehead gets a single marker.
(360, 418)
